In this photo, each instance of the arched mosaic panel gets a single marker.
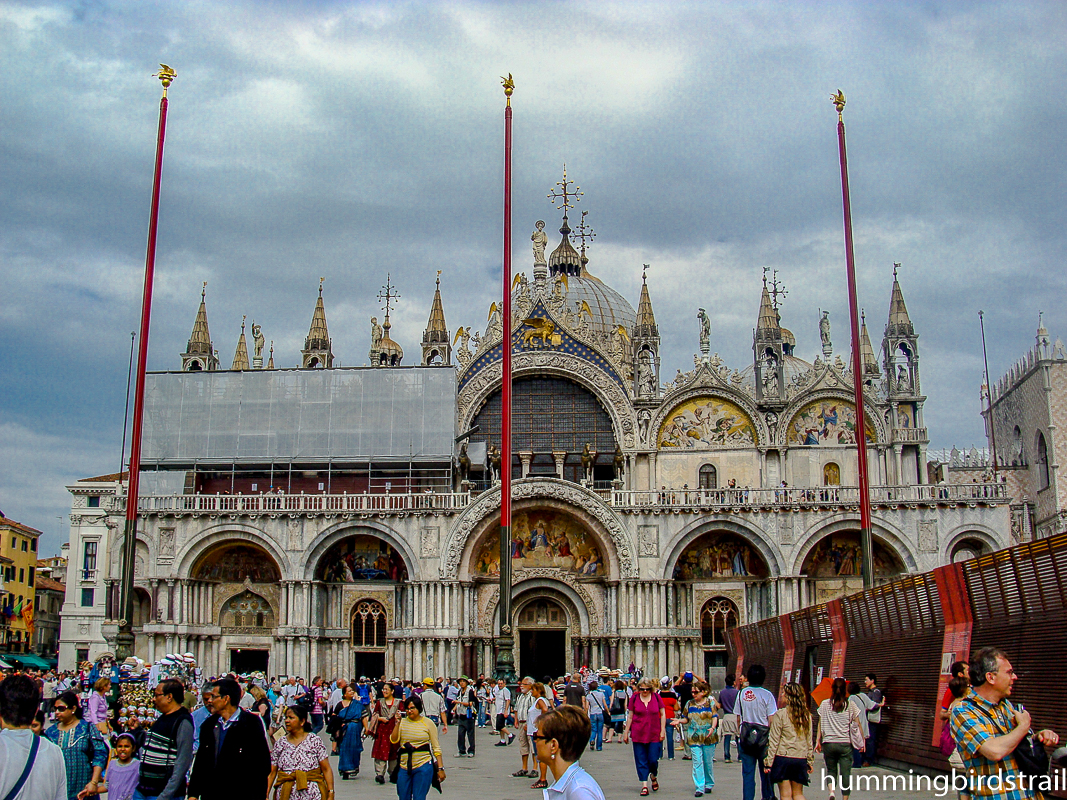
(718, 554)
(544, 539)
(839, 555)
(701, 423)
(827, 422)
(361, 558)
(235, 563)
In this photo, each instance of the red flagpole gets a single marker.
(125, 640)
(866, 540)
(505, 663)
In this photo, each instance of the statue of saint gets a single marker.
(375, 334)
(540, 242)
(824, 329)
(705, 329)
(644, 417)
(258, 339)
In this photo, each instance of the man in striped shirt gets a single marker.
(987, 728)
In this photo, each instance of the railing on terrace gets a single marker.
(308, 503)
(664, 498)
(817, 496)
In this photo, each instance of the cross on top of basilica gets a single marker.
(388, 294)
(565, 194)
(585, 232)
(776, 287)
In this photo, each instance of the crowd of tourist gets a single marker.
(287, 738)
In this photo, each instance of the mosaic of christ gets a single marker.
(543, 539)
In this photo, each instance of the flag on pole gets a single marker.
(27, 615)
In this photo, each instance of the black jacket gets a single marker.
(243, 764)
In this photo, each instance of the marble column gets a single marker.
(559, 458)
(525, 458)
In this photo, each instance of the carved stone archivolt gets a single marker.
(490, 597)
(565, 496)
(611, 395)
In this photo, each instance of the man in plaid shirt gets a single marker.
(987, 728)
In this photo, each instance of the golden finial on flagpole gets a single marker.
(839, 102)
(509, 86)
(166, 76)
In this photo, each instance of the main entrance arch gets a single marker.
(542, 625)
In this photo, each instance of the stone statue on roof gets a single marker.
(540, 242)
(258, 339)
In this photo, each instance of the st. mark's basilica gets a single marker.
(345, 521)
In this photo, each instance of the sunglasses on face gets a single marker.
(537, 737)
(62, 708)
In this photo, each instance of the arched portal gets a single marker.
(542, 625)
(833, 567)
(967, 548)
(361, 557)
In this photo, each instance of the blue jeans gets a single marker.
(481, 714)
(597, 736)
(703, 766)
(417, 784)
(749, 767)
(646, 757)
(138, 796)
(726, 746)
(316, 723)
(670, 740)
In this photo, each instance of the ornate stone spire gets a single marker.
(199, 353)
(646, 320)
(240, 357)
(436, 344)
(870, 362)
(318, 348)
(767, 325)
(899, 321)
(270, 361)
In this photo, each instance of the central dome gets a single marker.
(609, 308)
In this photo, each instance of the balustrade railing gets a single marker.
(814, 496)
(302, 503)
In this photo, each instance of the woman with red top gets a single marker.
(646, 725)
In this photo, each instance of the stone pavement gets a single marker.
(488, 776)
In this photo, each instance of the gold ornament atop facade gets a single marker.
(839, 102)
(509, 86)
(566, 194)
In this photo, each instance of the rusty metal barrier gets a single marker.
(909, 633)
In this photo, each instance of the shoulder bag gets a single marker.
(855, 730)
(754, 738)
(1029, 753)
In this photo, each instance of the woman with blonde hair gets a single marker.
(646, 725)
(790, 756)
(560, 739)
(700, 719)
(839, 732)
(96, 712)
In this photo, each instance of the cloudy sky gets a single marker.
(348, 141)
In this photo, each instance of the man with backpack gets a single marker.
(755, 705)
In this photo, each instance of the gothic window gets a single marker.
(709, 478)
(1042, 462)
(247, 610)
(718, 615)
(369, 624)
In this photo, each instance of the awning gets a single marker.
(26, 660)
(5, 665)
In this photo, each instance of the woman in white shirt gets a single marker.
(539, 706)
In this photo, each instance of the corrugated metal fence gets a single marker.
(909, 632)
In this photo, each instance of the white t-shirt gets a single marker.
(289, 694)
(47, 779)
(501, 696)
(755, 705)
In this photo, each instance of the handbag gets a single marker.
(34, 747)
(754, 738)
(618, 705)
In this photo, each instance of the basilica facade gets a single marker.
(345, 521)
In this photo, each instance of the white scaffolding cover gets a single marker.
(313, 415)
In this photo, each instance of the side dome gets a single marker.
(609, 308)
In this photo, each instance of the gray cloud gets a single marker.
(310, 139)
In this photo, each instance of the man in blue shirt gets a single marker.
(201, 713)
(729, 725)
